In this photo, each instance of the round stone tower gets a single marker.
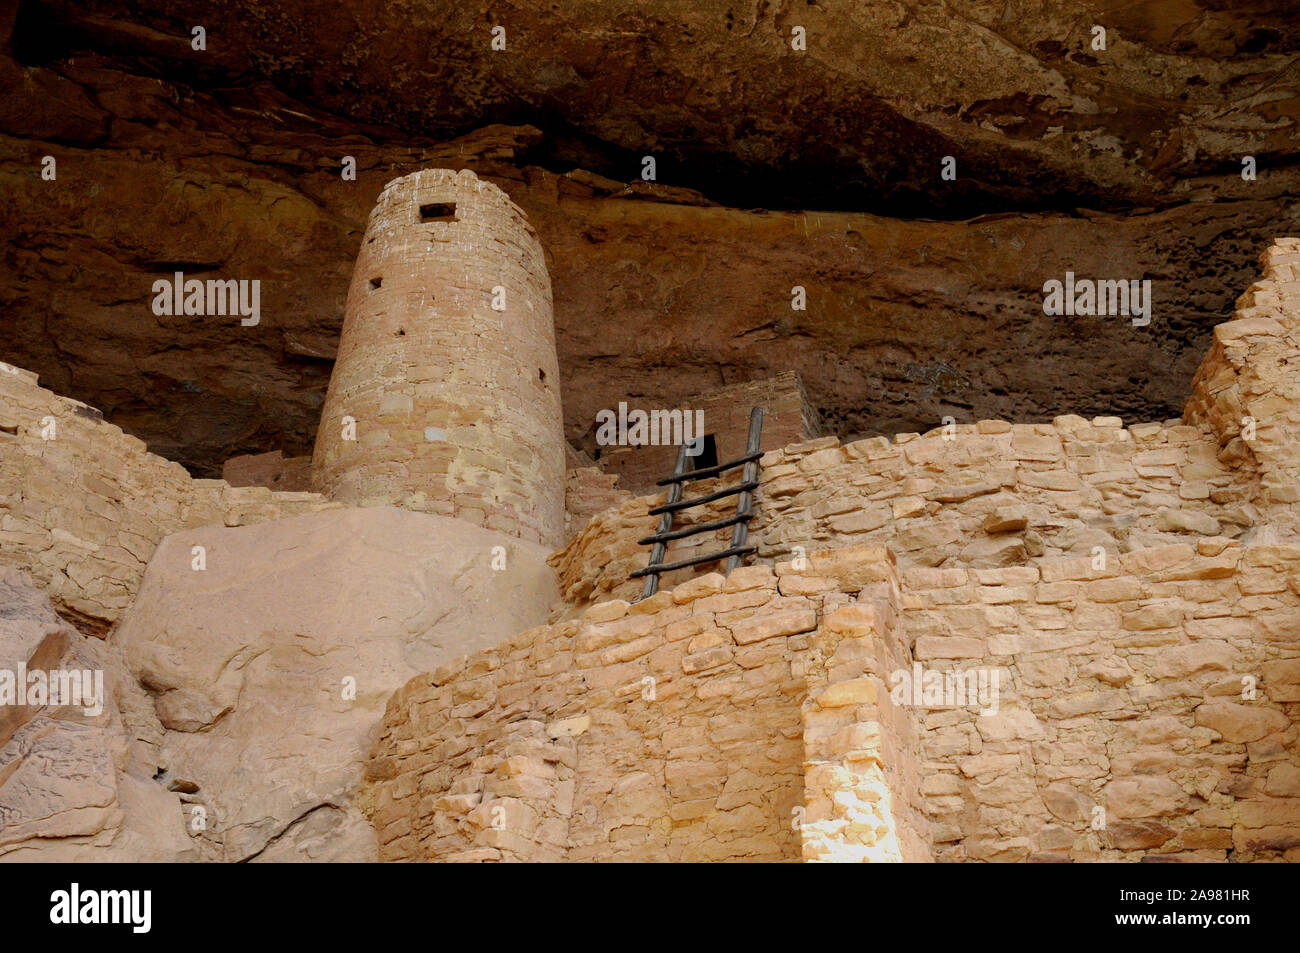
(445, 394)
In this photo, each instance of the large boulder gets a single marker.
(270, 652)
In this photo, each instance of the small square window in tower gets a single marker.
(438, 212)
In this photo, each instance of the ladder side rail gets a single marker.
(660, 548)
(745, 502)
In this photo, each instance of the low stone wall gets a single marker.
(588, 491)
(272, 470)
(979, 495)
(990, 494)
(862, 779)
(83, 505)
(1148, 706)
(598, 562)
(685, 727)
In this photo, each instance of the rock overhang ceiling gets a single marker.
(924, 295)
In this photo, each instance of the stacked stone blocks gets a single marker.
(83, 510)
(673, 729)
(445, 393)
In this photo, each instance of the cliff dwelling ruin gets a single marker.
(976, 357)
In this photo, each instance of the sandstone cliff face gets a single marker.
(1017, 91)
(225, 163)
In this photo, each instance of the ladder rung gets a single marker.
(692, 530)
(683, 504)
(683, 563)
(711, 471)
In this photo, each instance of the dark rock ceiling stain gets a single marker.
(775, 168)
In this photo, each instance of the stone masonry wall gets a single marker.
(445, 395)
(992, 493)
(588, 491)
(863, 776)
(83, 511)
(1249, 380)
(1135, 591)
(272, 470)
(678, 728)
(1162, 687)
(1145, 705)
(598, 561)
(981, 495)
(789, 418)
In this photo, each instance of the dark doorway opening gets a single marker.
(708, 455)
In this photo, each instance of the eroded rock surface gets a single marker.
(270, 668)
(1019, 92)
(76, 785)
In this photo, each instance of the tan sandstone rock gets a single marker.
(73, 785)
(270, 668)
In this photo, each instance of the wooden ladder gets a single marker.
(744, 492)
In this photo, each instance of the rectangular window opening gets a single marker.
(438, 212)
